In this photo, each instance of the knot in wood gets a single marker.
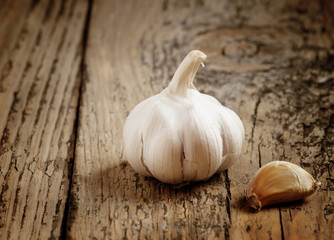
(242, 48)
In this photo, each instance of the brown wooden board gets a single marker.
(38, 99)
(71, 71)
(271, 63)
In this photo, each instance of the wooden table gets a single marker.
(72, 70)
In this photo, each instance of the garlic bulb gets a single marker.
(181, 135)
(279, 182)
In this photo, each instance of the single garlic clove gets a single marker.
(279, 182)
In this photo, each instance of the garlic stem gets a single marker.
(185, 74)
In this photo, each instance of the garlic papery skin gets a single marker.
(181, 135)
(279, 182)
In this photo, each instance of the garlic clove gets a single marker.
(279, 182)
(232, 145)
(134, 142)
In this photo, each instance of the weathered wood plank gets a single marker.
(12, 16)
(108, 198)
(39, 99)
(271, 63)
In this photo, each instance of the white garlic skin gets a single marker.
(181, 135)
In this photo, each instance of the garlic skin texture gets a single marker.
(181, 135)
(279, 182)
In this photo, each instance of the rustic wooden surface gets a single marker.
(70, 72)
(39, 92)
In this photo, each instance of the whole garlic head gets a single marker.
(181, 135)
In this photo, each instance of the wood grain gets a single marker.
(10, 12)
(271, 63)
(38, 99)
(71, 71)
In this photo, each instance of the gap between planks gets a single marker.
(83, 78)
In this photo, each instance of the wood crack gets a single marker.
(228, 206)
(259, 153)
(83, 78)
(254, 117)
(48, 11)
(281, 224)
